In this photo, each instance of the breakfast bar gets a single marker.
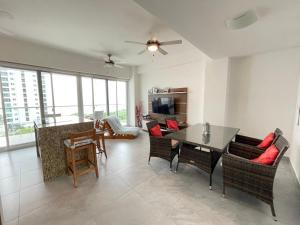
(50, 144)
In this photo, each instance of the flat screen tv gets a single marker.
(163, 105)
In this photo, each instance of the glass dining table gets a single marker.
(217, 140)
(203, 151)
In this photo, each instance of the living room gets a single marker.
(67, 67)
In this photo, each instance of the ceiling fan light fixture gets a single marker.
(152, 47)
(244, 20)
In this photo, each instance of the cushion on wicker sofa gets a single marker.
(117, 127)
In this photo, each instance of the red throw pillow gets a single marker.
(268, 157)
(155, 131)
(172, 124)
(267, 141)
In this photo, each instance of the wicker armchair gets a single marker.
(162, 147)
(205, 160)
(255, 179)
(254, 141)
(250, 151)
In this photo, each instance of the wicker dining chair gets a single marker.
(162, 147)
(202, 158)
(254, 141)
(253, 178)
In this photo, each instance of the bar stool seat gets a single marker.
(80, 151)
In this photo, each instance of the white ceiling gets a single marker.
(93, 27)
(202, 23)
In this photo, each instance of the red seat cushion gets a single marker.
(172, 124)
(268, 157)
(267, 141)
(155, 131)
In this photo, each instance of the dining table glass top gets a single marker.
(218, 138)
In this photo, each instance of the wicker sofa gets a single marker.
(255, 179)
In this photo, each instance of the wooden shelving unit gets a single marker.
(180, 98)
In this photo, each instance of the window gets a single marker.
(60, 105)
(112, 97)
(87, 97)
(2, 127)
(21, 115)
(100, 103)
(65, 102)
(20, 103)
(117, 96)
(122, 101)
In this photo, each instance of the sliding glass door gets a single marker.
(20, 104)
(63, 97)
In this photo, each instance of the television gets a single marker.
(163, 105)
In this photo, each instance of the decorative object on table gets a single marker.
(206, 128)
(256, 179)
(138, 115)
(206, 138)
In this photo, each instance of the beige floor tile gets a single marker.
(10, 204)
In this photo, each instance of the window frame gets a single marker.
(80, 104)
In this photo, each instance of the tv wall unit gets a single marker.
(180, 101)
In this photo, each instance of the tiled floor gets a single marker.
(130, 192)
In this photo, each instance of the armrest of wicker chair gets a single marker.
(245, 151)
(244, 165)
(247, 140)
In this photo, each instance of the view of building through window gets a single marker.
(20, 103)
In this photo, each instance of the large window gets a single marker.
(2, 128)
(117, 96)
(65, 97)
(61, 95)
(20, 104)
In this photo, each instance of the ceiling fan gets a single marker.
(154, 45)
(111, 63)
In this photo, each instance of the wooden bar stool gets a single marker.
(80, 150)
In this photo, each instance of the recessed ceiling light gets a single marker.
(244, 20)
(6, 15)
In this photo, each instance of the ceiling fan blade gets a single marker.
(135, 42)
(175, 42)
(141, 52)
(162, 51)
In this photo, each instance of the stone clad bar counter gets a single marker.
(50, 144)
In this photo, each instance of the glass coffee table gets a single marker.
(203, 151)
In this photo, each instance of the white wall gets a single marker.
(17, 51)
(185, 70)
(215, 94)
(133, 96)
(295, 145)
(263, 92)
